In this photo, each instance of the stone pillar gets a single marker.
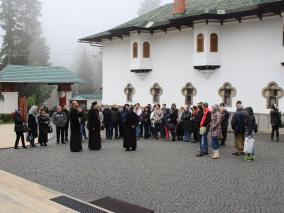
(64, 94)
(10, 95)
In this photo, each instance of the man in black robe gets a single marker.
(131, 122)
(75, 139)
(94, 126)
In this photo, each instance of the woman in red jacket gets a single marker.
(204, 129)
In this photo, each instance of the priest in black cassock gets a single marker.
(131, 122)
(94, 126)
(75, 138)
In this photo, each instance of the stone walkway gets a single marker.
(20, 195)
(8, 136)
(164, 176)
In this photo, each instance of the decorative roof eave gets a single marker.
(275, 8)
(207, 67)
(141, 70)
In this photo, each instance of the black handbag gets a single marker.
(29, 137)
(49, 129)
(25, 128)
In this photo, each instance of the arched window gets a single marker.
(135, 50)
(129, 91)
(156, 91)
(272, 93)
(189, 91)
(227, 92)
(200, 42)
(213, 42)
(146, 50)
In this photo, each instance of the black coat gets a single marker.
(225, 119)
(275, 117)
(186, 122)
(173, 117)
(107, 116)
(82, 116)
(43, 122)
(68, 117)
(32, 125)
(94, 126)
(250, 121)
(114, 115)
(197, 119)
(146, 117)
(239, 122)
(75, 138)
(19, 123)
(131, 122)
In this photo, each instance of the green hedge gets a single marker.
(6, 118)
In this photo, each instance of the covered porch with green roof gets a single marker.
(11, 76)
(85, 100)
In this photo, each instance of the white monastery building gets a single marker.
(197, 50)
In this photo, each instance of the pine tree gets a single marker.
(15, 36)
(39, 52)
(86, 73)
(147, 6)
(23, 41)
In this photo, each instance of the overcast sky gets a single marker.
(65, 21)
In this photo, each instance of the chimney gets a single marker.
(179, 6)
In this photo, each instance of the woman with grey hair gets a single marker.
(32, 126)
(216, 130)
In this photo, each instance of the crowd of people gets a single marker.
(189, 124)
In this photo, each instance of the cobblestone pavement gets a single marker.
(164, 176)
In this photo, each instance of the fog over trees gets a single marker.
(23, 42)
(148, 5)
(46, 32)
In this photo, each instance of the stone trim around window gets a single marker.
(227, 92)
(129, 91)
(156, 91)
(272, 93)
(189, 91)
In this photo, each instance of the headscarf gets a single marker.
(33, 110)
(215, 108)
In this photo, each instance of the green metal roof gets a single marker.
(39, 75)
(84, 97)
(194, 8)
(78, 98)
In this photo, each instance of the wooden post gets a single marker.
(62, 90)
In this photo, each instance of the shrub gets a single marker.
(6, 118)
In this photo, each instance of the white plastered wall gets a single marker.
(250, 55)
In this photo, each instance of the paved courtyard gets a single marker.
(163, 176)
